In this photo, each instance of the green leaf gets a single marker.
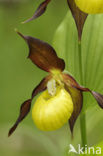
(65, 43)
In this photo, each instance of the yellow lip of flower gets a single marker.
(52, 112)
(90, 6)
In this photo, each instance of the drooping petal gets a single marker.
(77, 99)
(99, 98)
(79, 17)
(40, 10)
(24, 110)
(76, 93)
(43, 55)
(90, 6)
(69, 80)
(25, 107)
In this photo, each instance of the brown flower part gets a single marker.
(24, 110)
(45, 57)
(40, 10)
(26, 106)
(76, 93)
(79, 16)
(77, 98)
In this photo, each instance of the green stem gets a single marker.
(83, 129)
(82, 115)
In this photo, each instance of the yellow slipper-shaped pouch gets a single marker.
(52, 112)
(90, 6)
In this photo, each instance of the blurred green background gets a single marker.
(18, 77)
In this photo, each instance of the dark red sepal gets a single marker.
(99, 98)
(24, 110)
(70, 81)
(79, 17)
(40, 10)
(74, 88)
(77, 99)
(43, 55)
(25, 107)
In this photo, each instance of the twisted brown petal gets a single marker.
(79, 17)
(40, 10)
(43, 55)
(24, 110)
(76, 93)
(69, 80)
(25, 107)
(99, 98)
(77, 98)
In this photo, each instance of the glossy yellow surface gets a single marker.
(52, 112)
(90, 6)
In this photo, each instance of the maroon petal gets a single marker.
(40, 10)
(43, 55)
(76, 93)
(79, 16)
(25, 107)
(77, 98)
(70, 81)
(98, 97)
(24, 110)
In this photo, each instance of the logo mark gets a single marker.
(84, 150)
(72, 149)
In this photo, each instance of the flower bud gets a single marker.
(90, 6)
(52, 112)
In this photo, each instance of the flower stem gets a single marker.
(82, 115)
(83, 129)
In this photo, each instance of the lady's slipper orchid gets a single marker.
(90, 6)
(78, 15)
(61, 98)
